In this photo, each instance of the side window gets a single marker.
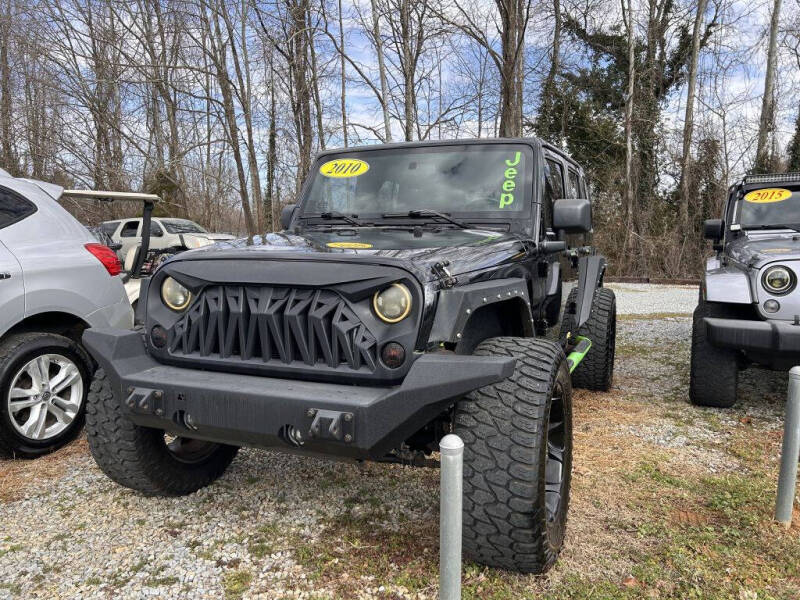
(13, 207)
(129, 229)
(556, 178)
(155, 230)
(573, 184)
(109, 228)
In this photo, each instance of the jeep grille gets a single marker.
(274, 325)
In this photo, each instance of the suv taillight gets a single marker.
(106, 256)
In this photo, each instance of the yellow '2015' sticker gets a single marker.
(767, 195)
(344, 167)
(350, 245)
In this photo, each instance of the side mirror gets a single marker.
(287, 212)
(713, 229)
(572, 215)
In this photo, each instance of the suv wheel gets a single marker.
(596, 370)
(518, 458)
(714, 372)
(148, 460)
(44, 379)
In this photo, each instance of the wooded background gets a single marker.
(219, 105)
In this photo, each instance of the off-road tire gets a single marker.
(15, 351)
(714, 372)
(596, 371)
(137, 457)
(505, 431)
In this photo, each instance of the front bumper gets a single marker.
(778, 336)
(248, 410)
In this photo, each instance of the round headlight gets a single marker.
(778, 280)
(392, 304)
(175, 295)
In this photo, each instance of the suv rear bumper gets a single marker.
(247, 410)
(742, 334)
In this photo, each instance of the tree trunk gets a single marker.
(767, 122)
(546, 118)
(299, 55)
(8, 160)
(220, 59)
(688, 122)
(376, 32)
(512, 37)
(629, 187)
(344, 75)
(406, 32)
(315, 82)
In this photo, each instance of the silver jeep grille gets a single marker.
(274, 324)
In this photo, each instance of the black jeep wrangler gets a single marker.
(749, 309)
(404, 300)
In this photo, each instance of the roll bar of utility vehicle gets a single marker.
(148, 201)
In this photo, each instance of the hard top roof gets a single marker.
(534, 142)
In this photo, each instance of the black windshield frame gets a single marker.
(527, 180)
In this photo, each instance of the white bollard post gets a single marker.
(451, 449)
(787, 479)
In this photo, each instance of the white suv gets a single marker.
(55, 281)
(180, 234)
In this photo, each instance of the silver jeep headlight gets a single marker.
(779, 280)
(393, 303)
(175, 295)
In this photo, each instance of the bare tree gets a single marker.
(384, 95)
(688, 121)
(514, 18)
(767, 121)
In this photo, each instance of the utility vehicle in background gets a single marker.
(166, 234)
(408, 297)
(749, 309)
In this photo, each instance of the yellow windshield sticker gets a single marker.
(344, 167)
(510, 176)
(767, 195)
(350, 245)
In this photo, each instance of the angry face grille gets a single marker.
(274, 324)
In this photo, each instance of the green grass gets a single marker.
(236, 583)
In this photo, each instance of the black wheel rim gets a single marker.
(188, 450)
(556, 447)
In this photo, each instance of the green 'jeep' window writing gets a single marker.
(469, 179)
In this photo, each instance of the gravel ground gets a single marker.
(643, 299)
(283, 526)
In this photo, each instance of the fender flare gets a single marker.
(727, 284)
(590, 277)
(455, 306)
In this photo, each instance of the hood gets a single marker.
(759, 248)
(465, 249)
(215, 236)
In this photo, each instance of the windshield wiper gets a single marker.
(425, 212)
(337, 215)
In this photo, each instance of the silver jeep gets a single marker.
(749, 309)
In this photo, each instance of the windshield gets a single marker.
(474, 180)
(770, 207)
(181, 226)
